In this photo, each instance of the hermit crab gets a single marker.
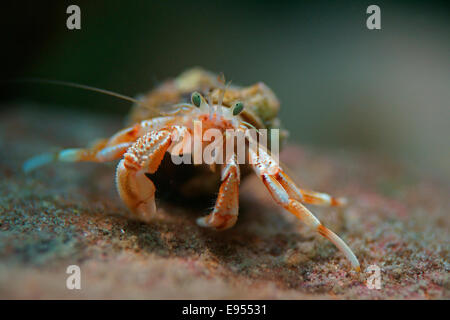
(160, 124)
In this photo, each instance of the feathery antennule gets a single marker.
(221, 79)
(218, 108)
(224, 87)
(212, 108)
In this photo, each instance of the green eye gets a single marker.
(238, 107)
(196, 99)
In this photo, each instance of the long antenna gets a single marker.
(80, 86)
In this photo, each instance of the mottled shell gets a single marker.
(261, 104)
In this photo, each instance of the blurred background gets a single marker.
(341, 85)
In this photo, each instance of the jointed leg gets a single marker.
(94, 154)
(302, 195)
(225, 212)
(139, 129)
(103, 150)
(286, 194)
(145, 156)
(306, 196)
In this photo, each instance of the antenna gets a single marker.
(76, 85)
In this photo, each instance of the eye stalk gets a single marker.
(196, 99)
(237, 108)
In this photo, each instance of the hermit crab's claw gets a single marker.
(136, 191)
(142, 159)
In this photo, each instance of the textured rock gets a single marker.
(70, 214)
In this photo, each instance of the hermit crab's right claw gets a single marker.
(142, 159)
(136, 190)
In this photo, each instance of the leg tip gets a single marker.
(145, 211)
(202, 222)
(340, 202)
(222, 223)
(37, 161)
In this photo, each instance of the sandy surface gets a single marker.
(71, 214)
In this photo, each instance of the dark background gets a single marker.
(341, 85)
